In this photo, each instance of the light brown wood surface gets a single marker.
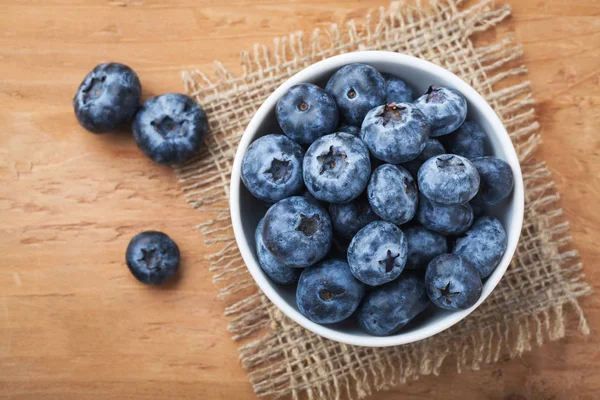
(74, 324)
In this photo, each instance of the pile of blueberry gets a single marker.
(376, 200)
(169, 129)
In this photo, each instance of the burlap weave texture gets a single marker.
(526, 308)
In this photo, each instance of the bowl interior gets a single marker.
(419, 74)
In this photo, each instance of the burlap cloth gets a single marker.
(527, 307)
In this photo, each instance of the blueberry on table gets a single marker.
(152, 257)
(351, 217)
(447, 220)
(393, 194)
(277, 271)
(328, 293)
(396, 90)
(452, 283)
(170, 128)
(336, 168)
(351, 129)
(433, 147)
(108, 97)
(377, 253)
(423, 246)
(483, 245)
(497, 180)
(469, 141)
(395, 133)
(297, 231)
(388, 308)
(448, 179)
(445, 109)
(356, 88)
(272, 168)
(306, 112)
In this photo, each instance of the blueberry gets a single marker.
(423, 246)
(469, 141)
(356, 88)
(447, 220)
(433, 147)
(393, 194)
(306, 112)
(351, 129)
(328, 293)
(483, 245)
(452, 283)
(445, 109)
(272, 168)
(108, 97)
(395, 133)
(377, 253)
(336, 168)
(152, 257)
(278, 272)
(448, 179)
(388, 308)
(497, 180)
(297, 231)
(169, 128)
(397, 91)
(351, 217)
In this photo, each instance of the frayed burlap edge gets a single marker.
(528, 306)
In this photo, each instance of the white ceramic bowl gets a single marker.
(247, 211)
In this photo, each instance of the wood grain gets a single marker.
(74, 324)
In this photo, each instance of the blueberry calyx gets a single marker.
(151, 259)
(448, 161)
(351, 94)
(325, 295)
(168, 127)
(308, 225)
(432, 93)
(303, 106)
(280, 170)
(331, 159)
(94, 89)
(392, 112)
(389, 260)
(445, 292)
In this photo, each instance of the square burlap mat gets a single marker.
(527, 307)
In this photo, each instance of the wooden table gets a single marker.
(74, 324)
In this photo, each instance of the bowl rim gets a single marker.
(307, 75)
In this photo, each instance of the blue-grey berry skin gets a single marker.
(433, 147)
(452, 283)
(395, 133)
(423, 246)
(351, 129)
(306, 112)
(469, 141)
(170, 128)
(393, 194)
(445, 109)
(152, 257)
(328, 293)
(272, 168)
(107, 98)
(277, 271)
(388, 308)
(351, 217)
(396, 90)
(447, 220)
(337, 167)
(377, 253)
(297, 231)
(356, 88)
(448, 179)
(497, 180)
(483, 245)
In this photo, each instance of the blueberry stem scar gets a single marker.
(308, 225)
(329, 160)
(389, 261)
(445, 292)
